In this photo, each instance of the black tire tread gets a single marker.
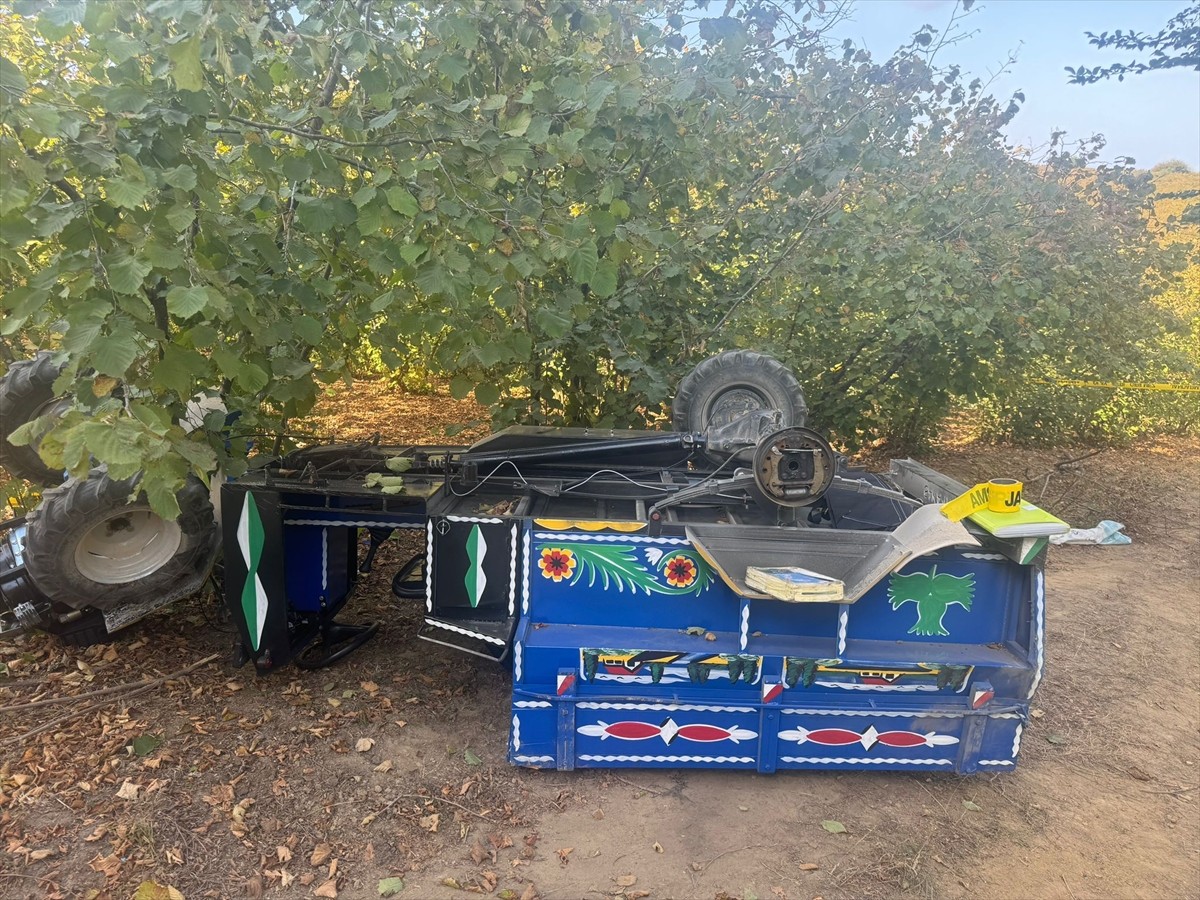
(26, 387)
(730, 365)
(67, 511)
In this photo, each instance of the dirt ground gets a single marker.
(391, 765)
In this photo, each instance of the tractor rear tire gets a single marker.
(27, 393)
(730, 384)
(88, 545)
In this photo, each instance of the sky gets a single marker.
(1151, 117)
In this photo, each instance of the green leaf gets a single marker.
(115, 352)
(398, 464)
(472, 759)
(112, 442)
(160, 491)
(369, 221)
(309, 330)
(493, 102)
(186, 68)
(604, 282)
(126, 192)
(12, 81)
(315, 215)
(186, 302)
(179, 370)
(389, 887)
(833, 826)
(181, 217)
(460, 387)
(487, 394)
(972, 806)
(583, 260)
(387, 484)
(553, 322)
(182, 177)
(518, 124)
(453, 65)
(402, 201)
(145, 744)
(126, 273)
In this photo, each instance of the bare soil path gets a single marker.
(392, 764)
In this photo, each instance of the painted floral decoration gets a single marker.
(681, 571)
(557, 563)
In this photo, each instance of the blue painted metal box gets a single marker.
(632, 651)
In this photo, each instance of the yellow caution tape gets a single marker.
(1123, 385)
(1001, 495)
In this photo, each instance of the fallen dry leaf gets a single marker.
(128, 791)
(430, 822)
(808, 867)
(328, 889)
(39, 855)
(636, 895)
(283, 853)
(320, 853)
(563, 853)
(362, 745)
(369, 686)
(530, 893)
(626, 880)
(385, 766)
(658, 848)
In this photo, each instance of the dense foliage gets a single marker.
(561, 205)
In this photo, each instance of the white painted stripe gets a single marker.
(532, 704)
(351, 523)
(587, 757)
(1039, 589)
(910, 714)
(517, 653)
(512, 571)
(996, 762)
(516, 734)
(666, 707)
(534, 760)
(483, 637)
(573, 538)
(429, 565)
(488, 521)
(843, 624)
(870, 761)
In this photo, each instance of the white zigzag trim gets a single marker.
(512, 572)
(843, 621)
(587, 757)
(668, 707)
(350, 524)
(744, 636)
(517, 669)
(429, 565)
(516, 734)
(533, 760)
(525, 580)
(483, 637)
(983, 556)
(894, 688)
(606, 538)
(324, 559)
(486, 521)
(532, 704)
(917, 714)
(1039, 588)
(996, 762)
(871, 761)
(1017, 741)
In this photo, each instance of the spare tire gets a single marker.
(27, 393)
(730, 384)
(89, 545)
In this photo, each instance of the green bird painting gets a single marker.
(933, 593)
